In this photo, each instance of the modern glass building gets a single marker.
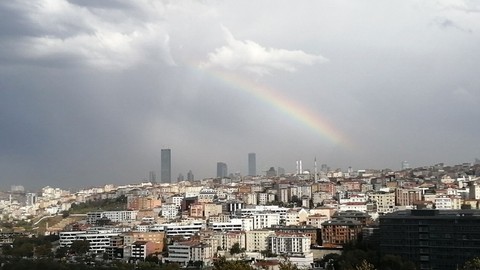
(252, 164)
(432, 239)
(166, 166)
(221, 169)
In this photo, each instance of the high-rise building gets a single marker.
(252, 164)
(166, 166)
(152, 177)
(31, 199)
(405, 165)
(190, 176)
(222, 169)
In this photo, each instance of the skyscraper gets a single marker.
(252, 164)
(166, 166)
(222, 169)
(190, 176)
(405, 165)
(152, 177)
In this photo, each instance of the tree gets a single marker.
(222, 264)
(153, 258)
(61, 252)
(350, 259)
(364, 265)
(23, 250)
(330, 261)
(80, 247)
(44, 250)
(267, 253)
(392, 262)
(473, 264)
(288, 265)
(65, 214)
(235, 249)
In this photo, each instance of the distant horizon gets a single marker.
(145, 179)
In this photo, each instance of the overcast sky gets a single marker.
(91, 91)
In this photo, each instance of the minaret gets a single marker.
(301, 168)
(297, 167)
(315, 169)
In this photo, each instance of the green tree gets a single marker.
(235, 249)
(350, 259)
(146, 266)
(288, 265)
(44, 250)
(61, 252)
(392, 262)
(65, 214)
(267, 253)
(23, 250)
(153, 258)
(364, 265)
(222, 264)
(79, 247)
(473, 264)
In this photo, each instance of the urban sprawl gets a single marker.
(427, 215)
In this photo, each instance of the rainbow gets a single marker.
(283, 104)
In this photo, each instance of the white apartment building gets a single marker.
(176, 199)
(185, 230)
(184, 252)
(296, 216)
(228, 239)
(284, 195)
(384, 201)
(291, 218)
(353, 206)
(264, 208)
(98, 240)
(289, 243)
(443, 202)
(251, 198)
(262, 198)
(206, 196)
(138, 250)
(114, 216)
(318, 197)
(66, 238)
(305, 190)
(169, 210)
(265, 220)
(316, 220)
(257, 240)
(233, 225)
(354, 198)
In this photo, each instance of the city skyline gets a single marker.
(90, 92)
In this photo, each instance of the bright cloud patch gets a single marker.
(252, 57)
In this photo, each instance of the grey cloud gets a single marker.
(90, 91)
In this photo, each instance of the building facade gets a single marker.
(432, 239)
(252, 164)
(222, 170)
(337, 232)
(166, 166)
